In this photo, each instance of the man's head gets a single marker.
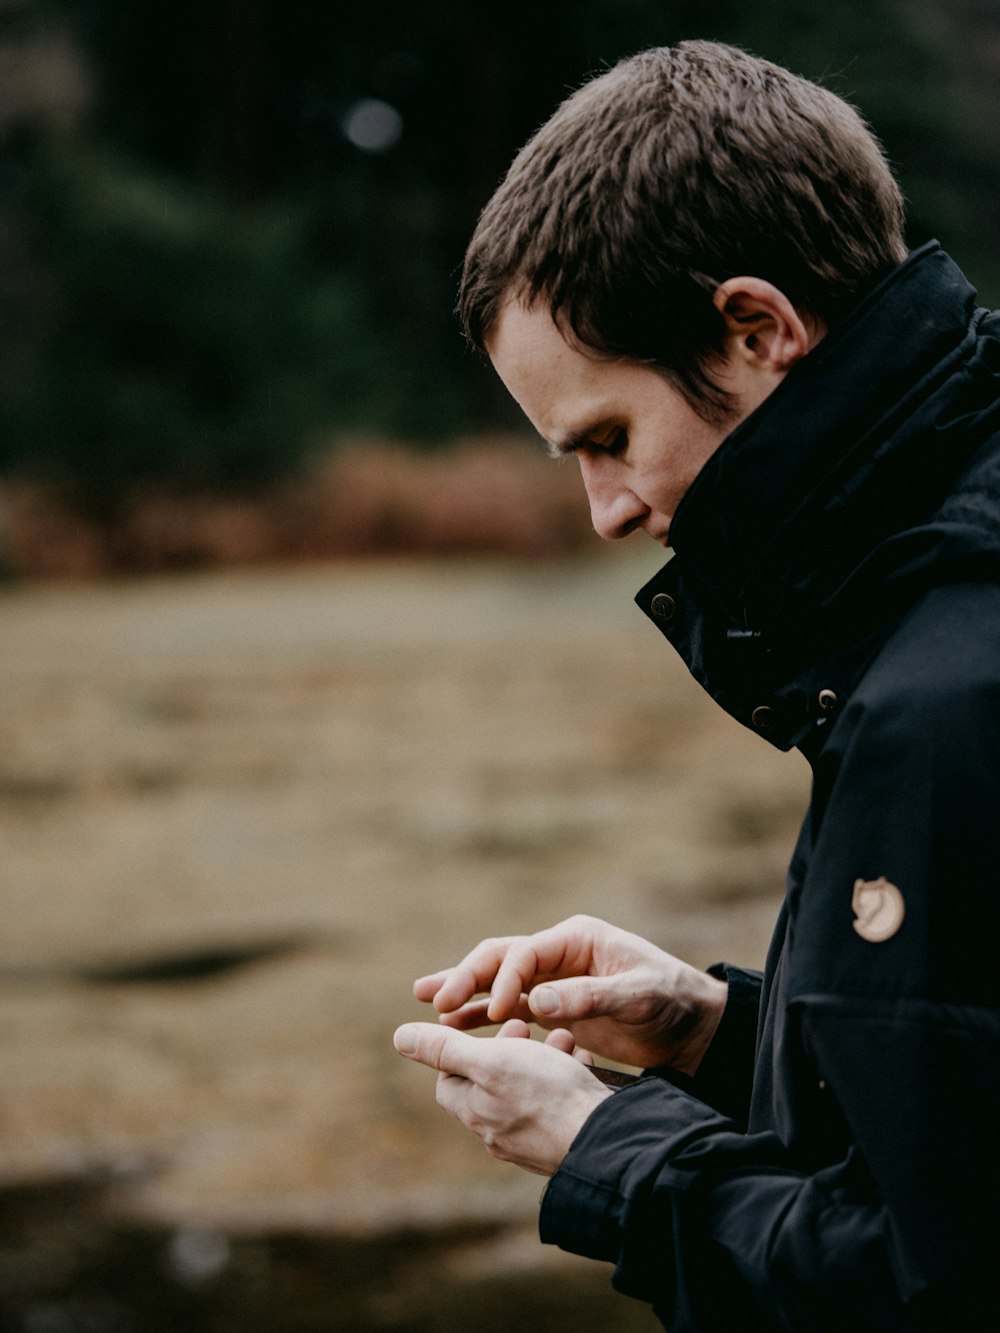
(639, 442)
(676, 171)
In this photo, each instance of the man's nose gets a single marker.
(614, 510)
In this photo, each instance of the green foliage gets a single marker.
(201, 276)
(183, 339)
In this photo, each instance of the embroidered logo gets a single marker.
(878, 908)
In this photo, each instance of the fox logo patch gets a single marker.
(879, 909)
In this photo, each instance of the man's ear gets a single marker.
(763, 328)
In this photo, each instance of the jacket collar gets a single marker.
(807, 530)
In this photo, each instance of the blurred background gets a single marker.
(312, 671)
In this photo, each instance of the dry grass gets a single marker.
(368, 497)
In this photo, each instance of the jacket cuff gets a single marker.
(724, 1078)
(590, 1204)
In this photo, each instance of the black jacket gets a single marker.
(836, 585)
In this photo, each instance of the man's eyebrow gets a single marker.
(580, 439)
(569, 445)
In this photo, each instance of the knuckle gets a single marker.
(490, 1081)
(435, 1047)
(489, 1137)
(515, 945)
(464, 977)
(519, 956)
(447, 1087)
(592, 1000)
(582, 924)
(494, 945)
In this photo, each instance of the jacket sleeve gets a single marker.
(714, 1228)
(719, 1229)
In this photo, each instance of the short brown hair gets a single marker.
(675, 170)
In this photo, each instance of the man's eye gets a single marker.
(615, 442)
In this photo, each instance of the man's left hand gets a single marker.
(526, 1100)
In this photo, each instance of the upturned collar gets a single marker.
(812, 525)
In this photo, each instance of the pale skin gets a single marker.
(596, 988)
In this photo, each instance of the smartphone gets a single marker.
(615, 1079)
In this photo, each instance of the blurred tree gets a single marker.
(181, 341)
(232, 227)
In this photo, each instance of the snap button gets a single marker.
(828, 701)
(762, 717)
(663, 606)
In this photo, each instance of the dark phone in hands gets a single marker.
(615, 1079)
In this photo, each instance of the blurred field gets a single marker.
(240, 812)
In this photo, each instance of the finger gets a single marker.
(563, 950)
(473, 975)
(443, 1049)
(577, 998)
(561, 1040)
(514, 1027)
(470, 1016)
(475, 1015)
(519, 971)
(425, 988)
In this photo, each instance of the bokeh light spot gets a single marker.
(372, 125)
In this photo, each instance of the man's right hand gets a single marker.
(620, 996)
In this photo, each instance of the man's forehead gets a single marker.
(558, 386)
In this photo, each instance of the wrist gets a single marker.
(707, 1015)
(578, 1111)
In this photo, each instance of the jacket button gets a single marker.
(663, 606)
(763, 718)
(828, 701)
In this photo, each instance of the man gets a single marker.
(693, 279)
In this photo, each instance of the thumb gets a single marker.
(441, 1048)
(573, 999)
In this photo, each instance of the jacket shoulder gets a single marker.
(942, 661)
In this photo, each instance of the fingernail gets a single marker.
(405, 1041)
(545, 1001)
